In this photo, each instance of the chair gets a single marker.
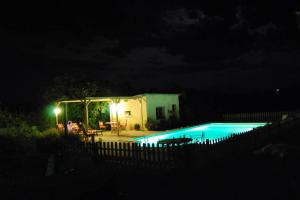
(113, 127)
(60, 127)
(123, 126)
(86, 133)
(116, 125)
(102, 128)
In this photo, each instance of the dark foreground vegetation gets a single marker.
(268, 170)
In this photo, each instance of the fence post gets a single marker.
(148, 152)
(129, 152)
(134, 152)
(139, 152)
(116, 151)
(144, 153)
(153, 153)
(168, 152)
(109, 149)
(104, 150)
(93, 145)
(158, 153)
(124, 150)
(163, 157)
(172, 151)
(120, 151)
(100, 150)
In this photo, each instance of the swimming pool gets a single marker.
(201, 132)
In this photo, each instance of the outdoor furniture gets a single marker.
(86, 132)
(60, 127)
(75, 128)
(102, 126)
(113, 126)
(123, 126)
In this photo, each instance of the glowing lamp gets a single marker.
(57, 111)
(116, 107)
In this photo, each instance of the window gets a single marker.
(172, 112)
(173, 108)
(160, 113)
(127, 113)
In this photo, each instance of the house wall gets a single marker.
(161, 100)
(137, 109)
(143, 109)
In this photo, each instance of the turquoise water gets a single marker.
(201, 132)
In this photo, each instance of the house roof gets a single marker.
(112, 99)
(160, 94)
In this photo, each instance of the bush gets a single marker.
(28, 140)
(51, 141)
(17, 136)
(137, 126)
(18, 140)
(161, 125)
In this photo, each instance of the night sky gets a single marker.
(233, 45)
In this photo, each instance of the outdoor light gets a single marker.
(57, 111)
(112, 107)
(116, 107)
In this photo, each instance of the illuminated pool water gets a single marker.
(202, 132)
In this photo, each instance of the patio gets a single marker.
(122, 113)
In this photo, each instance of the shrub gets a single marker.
(15, 139)
(51, 141)
(162, 124)
(29, 140)
(137, 126)
(17, 136)
(152, 126)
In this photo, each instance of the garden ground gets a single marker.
(223, 176)
(78, 177)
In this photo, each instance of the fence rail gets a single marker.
(171, 155)
(256, 117)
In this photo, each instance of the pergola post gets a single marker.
(117, 101)
(56, 111)
(56, 119)
(86, 113)
(142, 120)
(66, 118)
(117, 118)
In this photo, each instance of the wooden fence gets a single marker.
(136, 154)
(176, 155)
(256, 117)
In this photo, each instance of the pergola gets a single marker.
(87, 100)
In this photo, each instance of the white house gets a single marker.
(138, 109)
(143, 108)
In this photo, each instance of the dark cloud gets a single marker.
(206, 45)
(149, 58)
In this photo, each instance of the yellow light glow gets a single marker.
(116, 107)
(57, 110)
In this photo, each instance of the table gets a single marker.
(113, 126)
